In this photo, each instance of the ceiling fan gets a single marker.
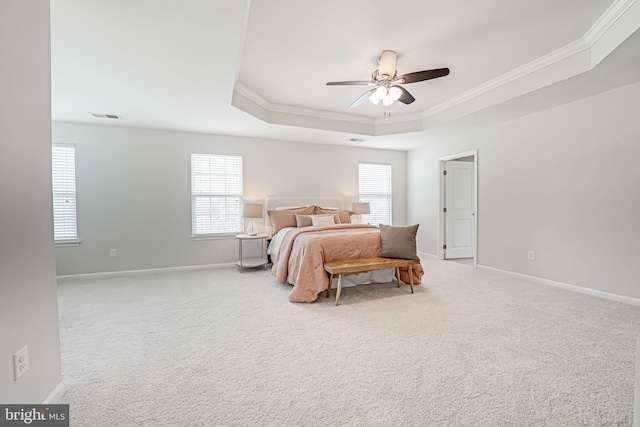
(386, 81)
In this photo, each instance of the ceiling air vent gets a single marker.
(105, 116)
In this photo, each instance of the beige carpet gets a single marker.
(220, 348)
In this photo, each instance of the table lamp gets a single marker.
(360, 209)
(252, 211)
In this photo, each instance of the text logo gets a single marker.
(34, 415)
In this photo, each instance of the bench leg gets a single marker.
(339, 291)
(398, 275)
(329, 287)
(411, 278)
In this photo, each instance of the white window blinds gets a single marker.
(64, 192)
(216, 193)
(375, 188)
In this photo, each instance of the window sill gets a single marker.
(225, 236)
(67, 243)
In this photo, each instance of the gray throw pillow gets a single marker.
(399, 242)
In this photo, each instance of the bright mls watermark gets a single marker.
(34, 415)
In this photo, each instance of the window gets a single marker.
(216, 193)
(63, 158)
(375, 188)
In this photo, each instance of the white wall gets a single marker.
(134, 188)
(28, 299)
(564, 182)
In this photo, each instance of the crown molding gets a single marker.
(402, 118)
(322, 114)
(511, 76)
(261, 101)
(608, 18)
(251, 94)
(597, 30)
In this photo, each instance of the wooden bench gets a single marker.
(350, 266)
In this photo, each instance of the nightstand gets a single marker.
(251, 262)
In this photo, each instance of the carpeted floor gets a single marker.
(220, 348)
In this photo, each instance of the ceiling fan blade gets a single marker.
(405, 97)
(362, 98)
(387, 63)
(353, 82)
(419, 76)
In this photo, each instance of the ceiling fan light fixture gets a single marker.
(395, 93)
(373, 98)
(388, 100)
(381, 92)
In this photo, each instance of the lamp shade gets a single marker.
(381, 92)
(252, 210)
(395, 92)
(361, 208)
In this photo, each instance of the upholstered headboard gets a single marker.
(271, 203)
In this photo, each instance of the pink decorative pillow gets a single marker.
(343, 214)
(286, 217)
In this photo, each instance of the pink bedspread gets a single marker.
(304, 250)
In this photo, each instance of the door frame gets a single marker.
(441, 205)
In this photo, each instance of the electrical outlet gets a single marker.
(20, 362)
(112, 253)
(531, 255)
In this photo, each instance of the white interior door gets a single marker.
(460, 209)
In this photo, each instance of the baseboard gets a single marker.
(581, 289)
(141, 272)
(57, 393)
(427, 255)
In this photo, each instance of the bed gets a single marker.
(298, 249)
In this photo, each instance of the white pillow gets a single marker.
(322, 220)
(305, 220)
